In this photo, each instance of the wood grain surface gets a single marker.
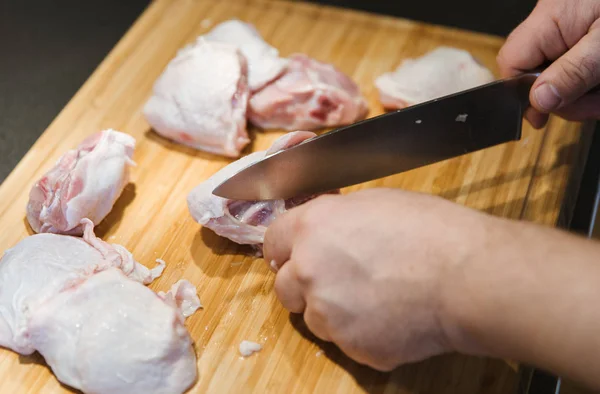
(526, 179)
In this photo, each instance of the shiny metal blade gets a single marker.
(388, 144)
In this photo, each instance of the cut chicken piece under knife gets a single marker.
(243, 222)
(264, 63)
(78, 301)
(308, 96)
(84, 183)
(200, 100)
(438, 73)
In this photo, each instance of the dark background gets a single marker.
(48, 48)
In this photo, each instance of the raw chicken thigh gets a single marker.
(84, 183)
(200, 99)
(309, 95)
(438, 73)
(243, 222)
(114, 335)
(264, 63)
(80, 303)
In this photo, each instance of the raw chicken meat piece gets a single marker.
(200, 100)
(80, 303)
(182, 296)
(84, 183)
(438, 73)
(247, 348)
(42, 265)
(309, 95)
(264, 63)
(243, 222)
(113, 335)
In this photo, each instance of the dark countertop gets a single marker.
(49, 49)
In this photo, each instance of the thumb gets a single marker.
(570, 77)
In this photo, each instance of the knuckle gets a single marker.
(589, 66)
(579, 75)
(318, 208)
(280, 286)
(314, 318)
(319, 309)
(305, 272)
(317, 318)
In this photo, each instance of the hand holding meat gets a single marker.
(566, 33)
(393, 277)
(367, 271)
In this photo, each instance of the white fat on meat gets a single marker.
(438, 73)
(42, 265)
(308, 96)
(182, 296)
(80, 302)
(110, 334)
(264, 63)
(200, 100)
(243, 222)
(247, 348)
(84, 183)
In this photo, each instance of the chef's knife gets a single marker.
(395, 142)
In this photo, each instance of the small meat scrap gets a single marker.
(308, 96)
(247, 348)
(264, 63)
(183, 297)
(84, 183)
(438, 73)
(243, 222)
(200, 99)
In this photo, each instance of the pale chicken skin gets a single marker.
(264, 63)
(84, 183)
(309, 95)
(200, 99)
(80, 302)
(114, 335)
(438, 73)
(243, 222)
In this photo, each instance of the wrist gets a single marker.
(469, 283)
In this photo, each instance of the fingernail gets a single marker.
(547, 97)
(274, 266)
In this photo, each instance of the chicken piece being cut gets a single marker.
(80, 303)
(264, 63)
(243, 222)
(200, 100)
(438, 73)
(84, 183)
(308, 96)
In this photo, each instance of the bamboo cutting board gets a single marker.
(526, 179)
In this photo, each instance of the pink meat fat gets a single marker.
(84, 183)
(309, 95)
(244, 222)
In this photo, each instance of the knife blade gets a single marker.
(388, 144)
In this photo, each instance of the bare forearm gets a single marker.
(531, 294)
